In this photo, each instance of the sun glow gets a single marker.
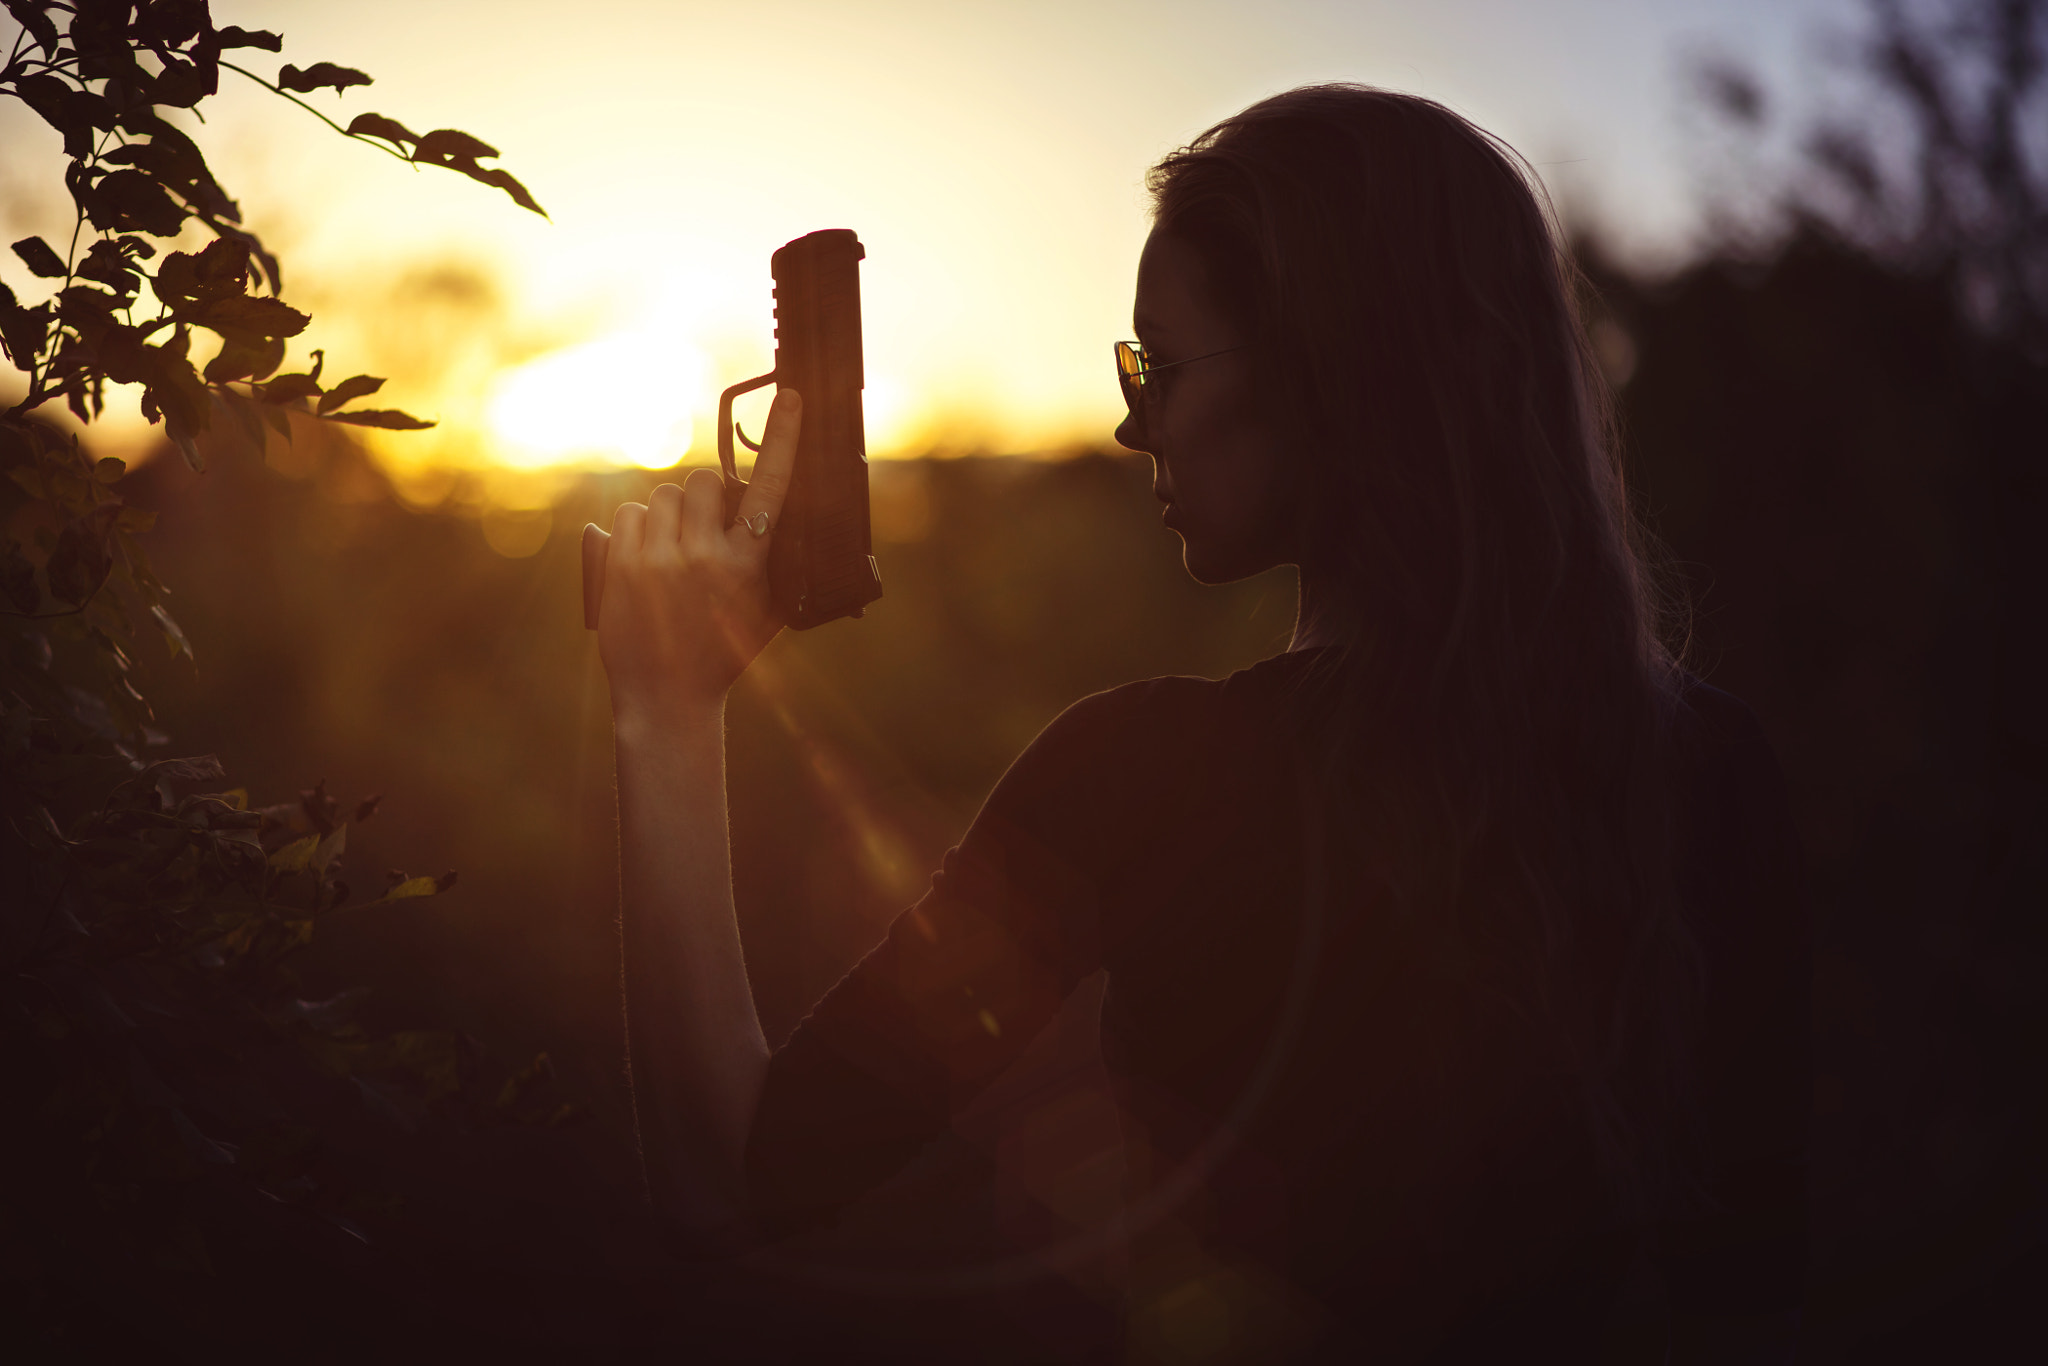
(630, 398)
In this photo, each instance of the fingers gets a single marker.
(770, 484)
(664, 516)
(627, 524)
(701, 504)
(596, 542)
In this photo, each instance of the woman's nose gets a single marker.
(1130, 433)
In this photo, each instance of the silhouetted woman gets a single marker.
(1454, 956)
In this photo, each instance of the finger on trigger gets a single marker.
(772, 470)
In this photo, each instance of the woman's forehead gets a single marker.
(1172, 294)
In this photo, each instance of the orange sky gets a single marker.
(990, 156)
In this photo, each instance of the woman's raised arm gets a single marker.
(685, 609)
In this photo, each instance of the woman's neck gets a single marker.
(1323, 615)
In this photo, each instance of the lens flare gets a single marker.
(625, 399)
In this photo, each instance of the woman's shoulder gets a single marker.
(1739, 828)
(1174, 710)
(1137, 746)
(1721, 744)
(1707, 714)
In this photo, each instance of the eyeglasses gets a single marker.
(1134, 367)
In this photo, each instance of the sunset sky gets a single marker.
(990, 156)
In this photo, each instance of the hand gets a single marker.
(685, 604)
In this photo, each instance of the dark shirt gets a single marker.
(1332, 1141)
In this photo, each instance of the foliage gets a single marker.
(133, 176)
(1941, 168)
(153, 1033)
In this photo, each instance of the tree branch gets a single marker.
(279, 90)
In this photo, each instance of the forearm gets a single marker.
(698, 1054)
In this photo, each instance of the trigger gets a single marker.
(741, 433)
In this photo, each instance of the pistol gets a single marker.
(821, 563)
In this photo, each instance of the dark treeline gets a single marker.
(1847, 477)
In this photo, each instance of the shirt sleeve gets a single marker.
(973, 971)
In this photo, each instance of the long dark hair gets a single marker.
(1504, 699)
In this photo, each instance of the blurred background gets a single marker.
(1818, 248)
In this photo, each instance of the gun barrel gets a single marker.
(822, 564)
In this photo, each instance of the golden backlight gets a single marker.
(625, 399)
(991, 157)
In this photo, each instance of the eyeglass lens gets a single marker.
(1130, 371)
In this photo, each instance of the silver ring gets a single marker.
(758, 524)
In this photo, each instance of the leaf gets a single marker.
(243, 37)
(182, 84)
(107, 264)
(412, 887)
(78, 565)
(389, 419)
(196, 768)
(294, 857)
(174, 635)
(251, 315)
(169, 23)
(290, 388)
(36, 19)
(245, 357)
(331, 845)
(187, 446)
(257, 251)
(170, 385)
(86, 308)
(504, 181)
(73, 112)
(126, 355)
(41, 261)
(378, 126)
(18, 582)
(367, 808)
(446, 145)
(176, 163)
(190, 279)
(23, 331)
(245, 413)
(318, 75)
(349, 390)
(108, 469)
(129, 199)
(207, 1150)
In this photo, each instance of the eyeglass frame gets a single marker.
(1132, 380)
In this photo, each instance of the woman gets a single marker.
(1454, 956)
